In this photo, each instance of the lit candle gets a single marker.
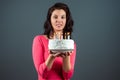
(68, 35)
(65, 36)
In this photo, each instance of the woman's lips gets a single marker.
(58, 25)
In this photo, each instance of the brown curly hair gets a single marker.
(69, 21)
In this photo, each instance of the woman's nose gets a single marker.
(58, 20)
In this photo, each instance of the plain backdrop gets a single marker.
(96, 33)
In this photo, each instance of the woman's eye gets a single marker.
(55, 17)
(63, 17)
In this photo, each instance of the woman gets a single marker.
(50, 66)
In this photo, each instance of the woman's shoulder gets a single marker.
(40, 37)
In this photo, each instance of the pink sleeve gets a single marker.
(68, 75)
(38, 57)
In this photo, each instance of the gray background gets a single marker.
(96, 32)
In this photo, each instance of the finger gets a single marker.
(68, 53)
(71, 51)
(63, 55)
(53, 52)
(57, 54)
(50, 52)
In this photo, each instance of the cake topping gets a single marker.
(68, 35)
(60, 36)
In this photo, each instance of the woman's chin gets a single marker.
(58, 29)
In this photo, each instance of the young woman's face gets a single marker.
(58, 20)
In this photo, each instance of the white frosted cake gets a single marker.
(61, 45)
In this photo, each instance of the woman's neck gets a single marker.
(58, 32)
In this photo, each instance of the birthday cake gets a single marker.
(61, 45)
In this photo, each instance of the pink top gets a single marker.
(40, 54)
